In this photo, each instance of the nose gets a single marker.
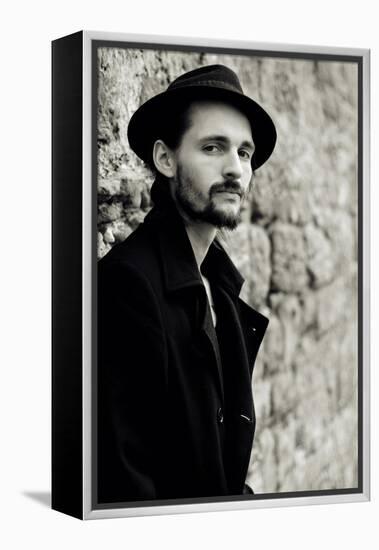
(232, 166)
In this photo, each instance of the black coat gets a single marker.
(174, 421)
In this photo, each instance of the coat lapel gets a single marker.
(234, 353)
(254, 326)
(210, 335)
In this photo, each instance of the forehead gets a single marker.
(216, 117)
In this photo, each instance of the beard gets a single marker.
(191, 202)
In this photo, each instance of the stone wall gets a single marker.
(296, 247)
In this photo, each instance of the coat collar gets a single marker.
(178, 260)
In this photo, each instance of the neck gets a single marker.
(201, 236)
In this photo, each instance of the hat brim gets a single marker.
(146, 123)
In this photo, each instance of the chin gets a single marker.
(228, 218)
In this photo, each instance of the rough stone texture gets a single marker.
(289, 268)
(296, 248)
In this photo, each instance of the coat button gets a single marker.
(220, 416)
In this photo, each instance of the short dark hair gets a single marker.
(172, 130)
(171, 134)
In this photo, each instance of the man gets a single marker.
(176, 344)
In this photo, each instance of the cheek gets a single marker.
(190, 184)
(200, 178)
(247, 175)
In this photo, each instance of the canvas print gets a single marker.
(227, 278)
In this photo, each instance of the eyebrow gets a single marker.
(223, 139)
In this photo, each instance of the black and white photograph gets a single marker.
(228, 245)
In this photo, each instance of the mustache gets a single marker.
(231, 186)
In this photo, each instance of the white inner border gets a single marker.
(88, 512)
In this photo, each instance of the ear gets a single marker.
(164, 159)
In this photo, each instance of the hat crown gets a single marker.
(217, 76)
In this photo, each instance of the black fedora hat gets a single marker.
(215, 82)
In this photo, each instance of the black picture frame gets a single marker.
(74, 272)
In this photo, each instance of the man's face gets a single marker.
(213, 164)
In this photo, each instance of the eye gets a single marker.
(245, 154)
(212, 148)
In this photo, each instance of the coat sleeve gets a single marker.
(131, 382)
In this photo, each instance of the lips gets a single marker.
(228, 192)
(230, 188)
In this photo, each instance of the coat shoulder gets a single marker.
(139, 251)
